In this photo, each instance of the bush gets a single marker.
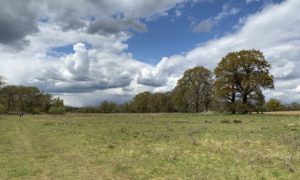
(35, 111)
(274, 105)
(2, 108)
(57, 110)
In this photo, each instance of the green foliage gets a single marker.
(108, 107)
(27, 99)
(274, 105)
(57, 102)
(2, 108)
(194, 89)
(57, 110)
(24, 99)
(240, 76)
(181, 99)
(151, 103)
(45, 102)
(126, 107)
(141, 103)
(88, 109)
(161, 102)
(57, 106)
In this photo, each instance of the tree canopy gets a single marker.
(241, 76)
(195, 87)
(27, 99)
(274, 105)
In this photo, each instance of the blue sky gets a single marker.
(172, 34)
(88, 51)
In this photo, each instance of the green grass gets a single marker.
(150, 146)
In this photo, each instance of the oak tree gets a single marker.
(241, 75)
(196, 85)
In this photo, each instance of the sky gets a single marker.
(87, 51)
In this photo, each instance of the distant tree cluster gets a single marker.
(277, 105)
(145, 102)
(15, 99)
(194, 91)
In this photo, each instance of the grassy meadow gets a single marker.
(150, 146)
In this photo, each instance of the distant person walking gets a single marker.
(21, 114)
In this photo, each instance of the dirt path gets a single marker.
(39, 151)
(24, 141)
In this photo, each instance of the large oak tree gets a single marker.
(242, 75)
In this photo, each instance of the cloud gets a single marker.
(89, 70)
(95, 97)
(103, 66)
(78, 64)
(297, 89)
(205, 26)
(151, 77)
(17, 20)
(178, 13)
(278, 38)
(114, 26)
(208, 24)
(251, 1)
(105, 71)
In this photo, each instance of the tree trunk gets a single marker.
(186, 107)
(244, 102)
(207, 103)
(9, 103)
(233, 111)
(233, 103)
(197, 107)
(197, 104)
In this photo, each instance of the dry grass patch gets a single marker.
(283, 113)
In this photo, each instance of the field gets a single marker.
(150, 146)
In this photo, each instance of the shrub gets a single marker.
(2, 108)
(35, 111)
(57, 110)
(274, 105)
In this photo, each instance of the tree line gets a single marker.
(236, 85)
(17, 99)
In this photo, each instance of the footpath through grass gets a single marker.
(150, 146)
